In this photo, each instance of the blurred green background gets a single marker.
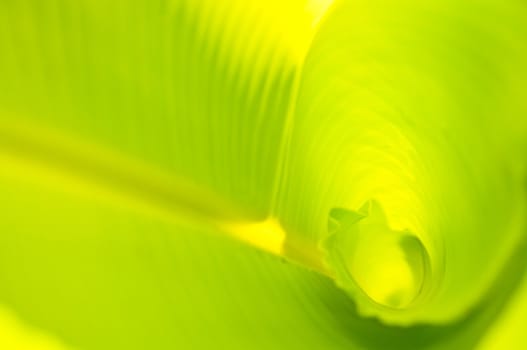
(233, 174)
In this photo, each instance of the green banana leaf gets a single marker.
(249, 174)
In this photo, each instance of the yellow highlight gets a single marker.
(292, 28)
(15, 335)
(267, 235)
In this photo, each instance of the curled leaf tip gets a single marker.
(383, 269)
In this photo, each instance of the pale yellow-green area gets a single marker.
(15, 335)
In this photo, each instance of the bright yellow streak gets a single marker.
(317, 9)
(267, 235)
(291, 27)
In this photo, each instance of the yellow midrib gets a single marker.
(46, 157)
